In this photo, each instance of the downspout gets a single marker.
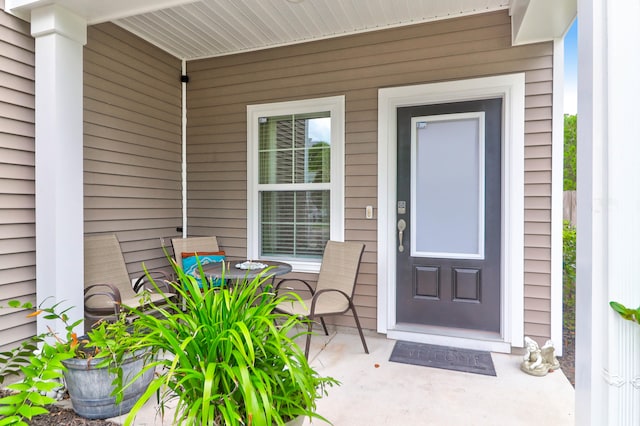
(184, 81)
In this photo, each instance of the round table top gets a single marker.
(232, 272)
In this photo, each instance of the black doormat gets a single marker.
(445, 357)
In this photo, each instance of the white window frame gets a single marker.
(336, 107)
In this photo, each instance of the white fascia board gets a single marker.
(94, 12)
(22, 8)
(540, 20)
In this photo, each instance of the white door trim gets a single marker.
(510, 88)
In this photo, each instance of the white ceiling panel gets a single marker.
(210, 28)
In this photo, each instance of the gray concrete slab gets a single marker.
(374, 391)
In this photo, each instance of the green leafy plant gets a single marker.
(39, 360)
(629, 314)
(230, 358)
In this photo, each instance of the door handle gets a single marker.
(402, 225)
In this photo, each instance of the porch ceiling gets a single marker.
(193, 29)
(208, 28)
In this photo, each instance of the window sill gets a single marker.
(300, 265)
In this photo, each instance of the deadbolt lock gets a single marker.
(402, 207)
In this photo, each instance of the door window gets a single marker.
(448, 186)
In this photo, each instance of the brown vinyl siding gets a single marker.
(357, 66)
(537, 226)
(132, 143)
(17, 176)
(132, 134)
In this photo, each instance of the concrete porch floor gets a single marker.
(374, 391)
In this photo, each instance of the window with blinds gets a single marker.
(295, 180)
(294, 185)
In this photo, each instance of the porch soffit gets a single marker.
(193, 29)
(541, 20)
(209, 28)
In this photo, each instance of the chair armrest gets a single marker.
(316, 296)
(112, 292)
(159, 277)
(277, 288)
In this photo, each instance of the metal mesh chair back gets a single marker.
(104, 263)
(193, 244)
(340, 264)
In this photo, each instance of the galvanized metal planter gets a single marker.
(90, 387)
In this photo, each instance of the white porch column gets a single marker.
(60, 36)
(608, 348)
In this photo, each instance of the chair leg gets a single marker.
(308, 344)
(355, 316)
(324, 326)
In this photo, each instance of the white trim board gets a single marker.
(510, 88)
(557, 183)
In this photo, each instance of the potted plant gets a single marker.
(230, 358)
(100, 359)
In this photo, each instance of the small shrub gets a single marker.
(569, 275)
(570, 151)
(569, 252)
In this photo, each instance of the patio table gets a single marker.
(232, 273)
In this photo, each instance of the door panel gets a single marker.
(449, 195)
